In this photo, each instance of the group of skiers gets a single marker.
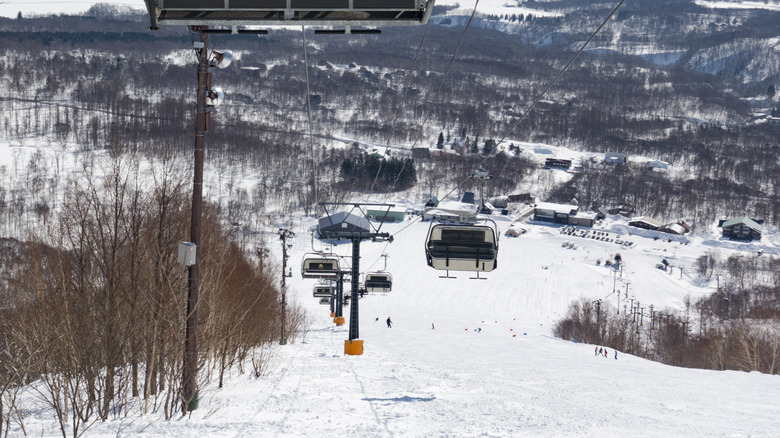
(599, 351)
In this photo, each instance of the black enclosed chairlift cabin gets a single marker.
(320, 266)
(288, 12)
(462, 248)
(378, 282)
(321, 290)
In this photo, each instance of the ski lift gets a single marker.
(288, 13)
(325, 301)
(462, 247)
(321, 290)
(319, 266)
(378, 282)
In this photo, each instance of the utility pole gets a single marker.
(598, 320)
(284, 234)
(189, 392)
(652, 318)
(614, 281)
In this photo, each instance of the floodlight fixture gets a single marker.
(221, 58)
(215, 96)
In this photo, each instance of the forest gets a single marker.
(103, 82)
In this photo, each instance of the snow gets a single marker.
(770, 5)
(511, 378)
(494, 7)
(10, 8)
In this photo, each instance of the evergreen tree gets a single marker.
(440, 142)
(390, 175)
(488, 147)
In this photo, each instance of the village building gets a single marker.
(645, 223)
(555, 213)
(656, 165)
(394, 214)
(673, 229)
(566, 214)
(742, 228)
(525, 198)
(557, 163)
(615, 158)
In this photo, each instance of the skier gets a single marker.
(389, 323)
(605, 352)
(615, 354)
(600, 351)
(433, 327)
(595, 351)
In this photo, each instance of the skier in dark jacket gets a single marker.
(389, 323)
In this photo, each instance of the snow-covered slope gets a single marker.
(511, 378)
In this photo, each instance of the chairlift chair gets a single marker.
(321, 290)
(464, 247)
(320, 266)
(289, 12)
(378, 282)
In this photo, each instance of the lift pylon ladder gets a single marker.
(288, 12)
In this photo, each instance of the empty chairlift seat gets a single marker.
(378, 282)
(462, 248)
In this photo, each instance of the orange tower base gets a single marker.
(353, 347)
(339, 320)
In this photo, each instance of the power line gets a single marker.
(539, 97)
(563, 70)
(400, 106)
(308, 112)
(441, 85)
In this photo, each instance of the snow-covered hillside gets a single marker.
(492, 366)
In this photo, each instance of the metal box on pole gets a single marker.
(188, 253)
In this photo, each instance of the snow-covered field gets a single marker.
(512, 378)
